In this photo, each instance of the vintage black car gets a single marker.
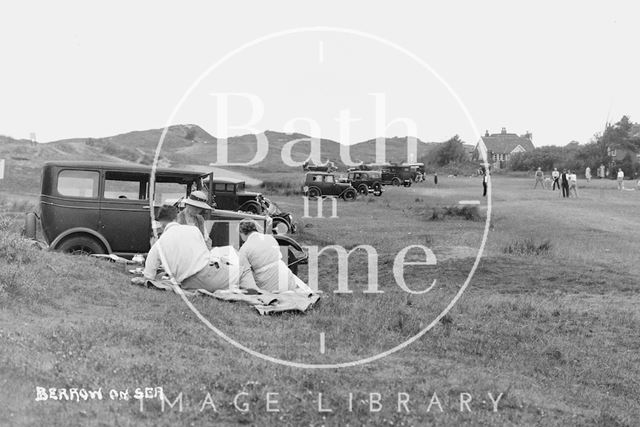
(105, 208)
(391, 173)
(417, 171)
(231, 195)
(366, 182)
(396, 175)
(320, 184)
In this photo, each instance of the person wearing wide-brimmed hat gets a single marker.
(195, 205)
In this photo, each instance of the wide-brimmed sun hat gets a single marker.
(198, 199)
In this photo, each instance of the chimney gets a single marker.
(504, 130)
(486, 133)
(528, 135)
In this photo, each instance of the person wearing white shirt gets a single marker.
(620, 179)
(555, 175)
(182, 252)
(262, 252)
(573, 184)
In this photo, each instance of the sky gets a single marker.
(92, 69)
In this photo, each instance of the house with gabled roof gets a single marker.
(617, 152)
(501, 146)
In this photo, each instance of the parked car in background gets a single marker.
(320, 184)
(105, 208)
(397, 175)
(417, 171)
(230, 194)
(366, 182)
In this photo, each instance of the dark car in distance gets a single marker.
(320, 184)
(397, 175)
(105, 208)
(366, 181)
(231, 194)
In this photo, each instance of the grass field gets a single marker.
(549, 320)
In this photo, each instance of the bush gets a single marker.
(281, 187)
(527, 247)
(470, 213)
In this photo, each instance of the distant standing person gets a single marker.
(539, 179)
(573, 184)
(556, 179)
(587, 174)
(485, 181)
(620, 179)
(435, 178)
(564, 182)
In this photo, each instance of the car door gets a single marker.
(331, 185)
(125, 219)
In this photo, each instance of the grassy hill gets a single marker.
(184, 145)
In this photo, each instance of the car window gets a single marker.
(76, 183)
(168, 193)
(125, 186)
(314, 178)
(328, 178)
(231, 187)
(220, 187)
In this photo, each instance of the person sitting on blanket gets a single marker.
(195, 205)
(183, 253)
(263, 253)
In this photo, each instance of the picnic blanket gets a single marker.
(263, 302)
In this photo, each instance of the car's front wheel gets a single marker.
(281, 226)
(81, 245)
(363, 189)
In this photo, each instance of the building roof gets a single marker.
(504, 143)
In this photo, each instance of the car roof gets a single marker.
(318, 173)
(226, 180)
(123, 167)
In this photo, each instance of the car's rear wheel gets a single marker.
(81, 245)
(314, 192)
(396, 181)
(377, 188)
(363, 189)
(350, 194)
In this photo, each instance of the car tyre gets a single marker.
(396, 181)
(363, 189)
(314, 192)
(281, 226)
(81, 245)
(350, 194)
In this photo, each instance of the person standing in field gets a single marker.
(435, 178)
(587, 174)
(620, 179)
(573, 184)
(485, 181)
(564, 182)
(555, 175)
(539, 179)
(601, 172)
